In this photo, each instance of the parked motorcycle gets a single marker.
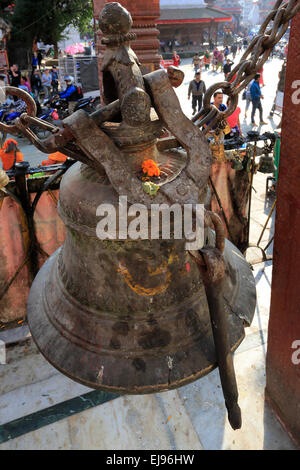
(50, 115)
(8, 116)
(89, 105)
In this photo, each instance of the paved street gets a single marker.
(271, 70)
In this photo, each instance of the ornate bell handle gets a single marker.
(212, 270)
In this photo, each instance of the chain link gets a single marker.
(250, 64)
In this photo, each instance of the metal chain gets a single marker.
(251, 62)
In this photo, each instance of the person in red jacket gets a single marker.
(10, 154)
(261, 80)
(176, 59)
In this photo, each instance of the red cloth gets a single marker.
(234, 118)
(261, 80)
(176, 60)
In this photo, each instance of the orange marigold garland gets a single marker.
(150, 168)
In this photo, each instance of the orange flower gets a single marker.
(150, 168)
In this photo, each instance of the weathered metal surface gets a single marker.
(146, 44)
(131, 316)
(282, 365)
(136, 318)
(212, 268)
(232, 188)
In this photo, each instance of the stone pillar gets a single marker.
(283, 355)
(144, 14)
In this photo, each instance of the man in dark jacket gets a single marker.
(36, 84)
(197, 89)
(54, 79)
(256, 97)
(234, 50)
(227, 67)
(14, 76)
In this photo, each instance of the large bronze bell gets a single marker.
(132, 316)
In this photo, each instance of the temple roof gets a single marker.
(181, 4)
(191, 15)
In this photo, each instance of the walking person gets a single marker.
(248, 98)
(46, 82)
(245, 43)
(227, 68)
(256, 97)
(197, 62)
(220, 61)
(215, 59)
(35, 61)
(206, 60)
(40, 58)
(197, 89)
(36, 84)
(54, 79)
(234, 49)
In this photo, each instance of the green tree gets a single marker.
(46, 20)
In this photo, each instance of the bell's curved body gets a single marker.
(128, 316)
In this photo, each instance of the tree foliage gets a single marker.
(46, 20)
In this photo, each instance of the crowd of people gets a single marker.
(42, 84)
(219, 62)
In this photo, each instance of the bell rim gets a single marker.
(196, 365)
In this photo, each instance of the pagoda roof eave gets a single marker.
(192, 15)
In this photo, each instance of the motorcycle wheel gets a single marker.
(93, 106)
